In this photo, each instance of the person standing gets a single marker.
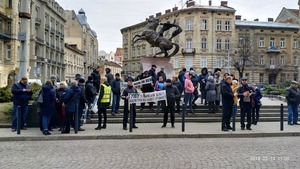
(256, 105)
(71, 101)
(54, 120)
(60, 94)
(234, 87)
(181, 77)
(188, 92)
(82, 102)
(90, 94)
(96, 78)
(245, 94)
(179, 86)
(147, 88)
(218, 82)
(162, 74)
(109, 76)
(129, 77)
(125, 95)
(21, 95)
(172, 94)
(158, 87)
(211, 96)
(203, 79)
(228, 101)
(103, 103)
(195, 82)
(48, 105)
(292, 95)
(116, 90)
(152, 73)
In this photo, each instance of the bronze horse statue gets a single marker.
(156, 39)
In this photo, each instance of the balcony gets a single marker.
(47, 27)
(57, 33)
(39, 40)
(57, 48)
(40, 59)
(47, 44)
(191, 51)
(5, 34)
(38, 21)
(273, 49)
(273, 67)
(62, 35)
(52, 30)
(52, 46)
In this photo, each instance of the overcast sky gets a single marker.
(107, 17)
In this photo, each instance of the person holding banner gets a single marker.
(125, 96)
(158, 87)
(146, 88)
(169, 105)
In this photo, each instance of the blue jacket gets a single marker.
(115, 87)
(49, 98)
(258, 95)
(72, 98)
(21, 98)
(179, 86)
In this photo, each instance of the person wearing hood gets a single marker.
(48, 105)
(71, 99)
(158, 87)
(218, 82)
(211, 95)
(188, 92)
(162, 74)
(103, 103)
(82, 102)
(125, 95)
(179, 86)
(256, 105)
(147, 88)
(116, 90)
(96, 78)
(229, 98)
(203, 79)
(109, 76)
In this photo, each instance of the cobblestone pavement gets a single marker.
(153, 153)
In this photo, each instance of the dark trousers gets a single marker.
(226, 114)
(211, 107)
(126, 113)
(80, 112)
(246, 110)
(195, 96)
(177, 101)
(100, 112)
(255, 114)
(170, 108)
(67, 121)
(143, 105)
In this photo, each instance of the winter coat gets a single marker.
(60, 94)
(227, 94)
(103, 105)
(126, 80)
(96, 79)
(257, 96)
(203, 79)
(159, 86)
(218, 82)
(83, 99)
(126, 91)
(210, 89)
(20, 98)
(241, 91)
(116, 86)
(181, 77)
(188, 85)
(160, 73)
(72, 98)
(292, 96)
(152, 73)
(172, 93)
(146, 88)
(109, 77)
(90, 91)
(195, 82)
(179, 86)
(49, 98)
(234, 88)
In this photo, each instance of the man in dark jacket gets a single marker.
(109, 76)
(172, 94)
(96, 78)
(116, 90)
(179, 86)
(129, 77)
(195, 82)
(82, 102)
(292, 95)
(152, 73)
(203, 79)
(90, 91)
(162, 74)
(71, 101)
(181, 76)
(21, 94)
(227, 96)
(146, 88)
(245, 94)
(257, 105)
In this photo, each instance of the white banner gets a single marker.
(138, 83)
(147, 97)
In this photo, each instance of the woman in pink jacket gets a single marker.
(188, 91)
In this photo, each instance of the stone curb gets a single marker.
(143, 136)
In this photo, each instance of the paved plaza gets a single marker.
(227, 153)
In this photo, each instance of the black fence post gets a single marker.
(76, 120)
(183, 117)
(131, 118)
(19, 121)
(234, 117)
(281, 117)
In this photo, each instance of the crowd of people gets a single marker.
(59, 104)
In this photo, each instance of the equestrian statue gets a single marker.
(156, 39)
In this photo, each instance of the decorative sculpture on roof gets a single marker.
(156, 39)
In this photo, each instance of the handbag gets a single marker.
(40, 98)
(95, 106)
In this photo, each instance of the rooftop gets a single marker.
(266, 24)
(212, 8)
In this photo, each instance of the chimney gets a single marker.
(238, 17)
(256, 19)
(209, 2)
(158, 14)
(175, 8)
(190, 3)
(270, 20)
(151, 16)
(168, 11)
(224, 3)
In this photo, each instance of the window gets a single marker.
(176, 63)
(227, 63)
(8, 52)
(296, 60)
(133, 53)
(227, 44)
(203, 43)
(261, 60)
(189, 43)
(282, 60)
(9, 3)
(282, 77)
(203, 62)
(272, 61)
(261, 42)
(219, 25)
(219, 62)
(272, 41)
(188, 63)
(282, 43)
(189, 25)
(219, 43)
(227, 25)
(295, 43)
(204, 24)
(261, 78)
(144, 51)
